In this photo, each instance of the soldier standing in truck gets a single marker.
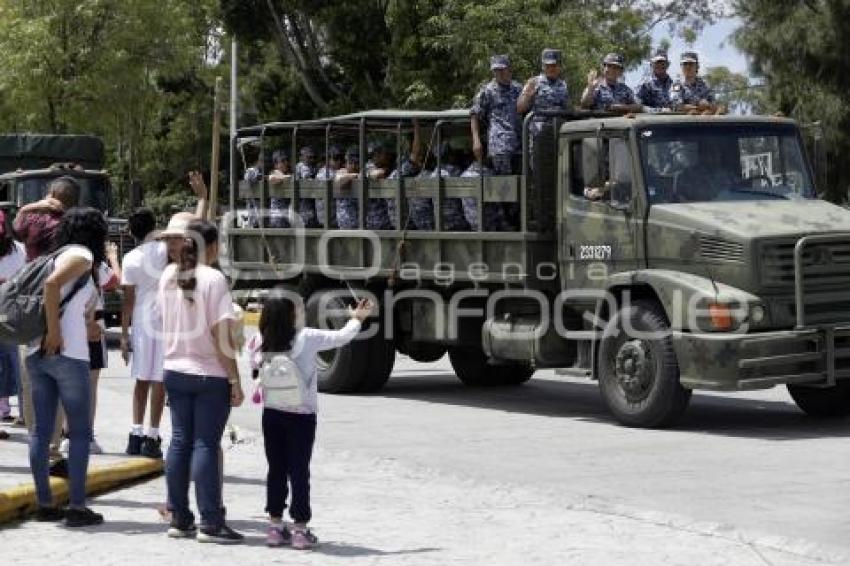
(691, 93)
(606, 92)
(654, 93)
(546, 91)
(346, 207)
(310, 210)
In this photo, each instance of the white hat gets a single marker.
(178, 226)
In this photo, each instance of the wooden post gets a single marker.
(216, 150)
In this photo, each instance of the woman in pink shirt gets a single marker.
(201, 379)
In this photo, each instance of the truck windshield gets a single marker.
(94, 191)
(722, 162)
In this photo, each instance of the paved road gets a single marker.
(433, 472)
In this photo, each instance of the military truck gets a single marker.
(29, 162)
(703, 259)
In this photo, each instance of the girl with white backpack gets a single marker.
(288, 382)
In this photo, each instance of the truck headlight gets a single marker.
(757, 314)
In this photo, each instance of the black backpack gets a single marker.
(22, 317)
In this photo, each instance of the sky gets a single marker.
(713, 47)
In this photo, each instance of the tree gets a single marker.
(799, 50)
(433, 53)
(137, 73)
(734, 91)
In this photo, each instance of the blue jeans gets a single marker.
(200, 406)
(10, 379)
(52, 379)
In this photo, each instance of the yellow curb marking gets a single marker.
(18, 500)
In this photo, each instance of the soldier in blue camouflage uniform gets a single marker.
(654, 93)
(346, 207)
(494, 212)
(496, 106)
(546, 91)
(254, 176)
(691, 93)
(452, 207)
(378, 210)
(278, 205)
(606, 92)
(310, 210)
(333, 163)
(327, 172)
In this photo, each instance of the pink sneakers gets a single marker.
(278, 536)
(304, 540)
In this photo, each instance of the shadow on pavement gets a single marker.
(725, 415)
(15, 470)
(236, 480)
(349, 550)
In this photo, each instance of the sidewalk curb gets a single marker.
(16, 502)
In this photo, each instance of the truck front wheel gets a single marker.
(471, 367)
(637, 368)
(823, 402)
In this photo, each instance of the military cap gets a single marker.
(551, 57)
(498, 62)
(307, 151)
(279, 155)
(689, 57)
(380, 146)
(613, 59)
(441, 150)
(659, 55)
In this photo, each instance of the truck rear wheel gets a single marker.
(381, 362)
(639, 375)
(823, 402)
(342, 370)
(471, 367)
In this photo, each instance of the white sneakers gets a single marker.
(94, 447)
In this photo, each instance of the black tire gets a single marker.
(381, 362)
(423, 352)
(342, 370)
(471, 367)
(639, 377)
(826, 403)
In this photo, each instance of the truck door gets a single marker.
(600, 227)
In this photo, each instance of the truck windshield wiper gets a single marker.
(759, 193)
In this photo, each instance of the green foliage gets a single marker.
(733, 90)
(432, 53)
(799, 49)
(136, 73)
(140, 73)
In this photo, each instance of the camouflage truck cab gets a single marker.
(29, 162)
(660, 254)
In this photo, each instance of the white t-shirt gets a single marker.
(12, 262)
(72, 323)
(142, 268)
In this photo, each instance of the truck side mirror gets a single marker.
(813, 140)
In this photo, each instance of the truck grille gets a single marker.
(825, 265)
(826, 278)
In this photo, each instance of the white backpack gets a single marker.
(283, 383)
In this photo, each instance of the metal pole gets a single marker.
(234, 101)
(216, 150)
